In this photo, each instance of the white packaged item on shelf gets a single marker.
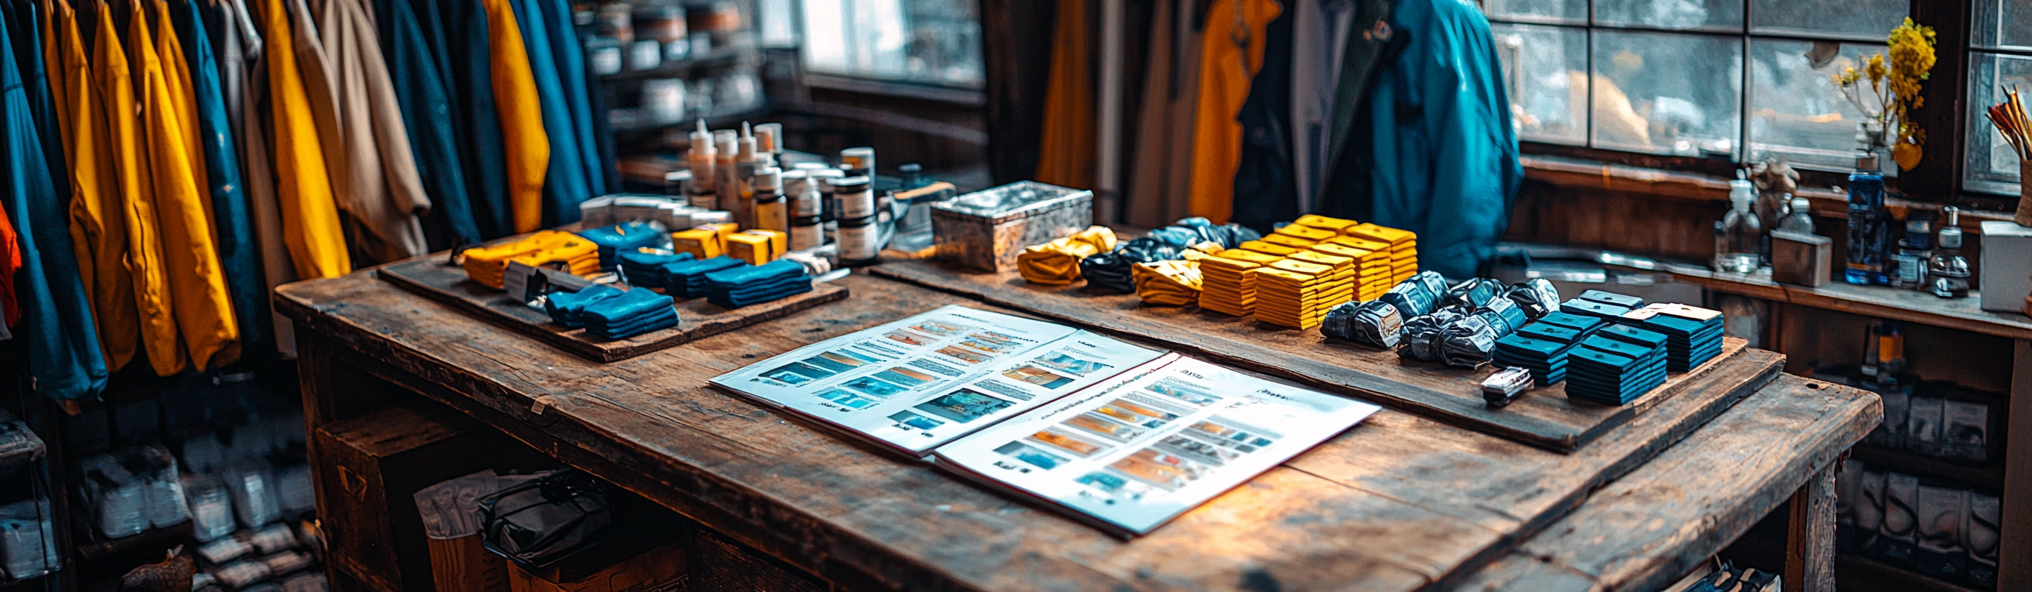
(1870, 512)
(28, 545)
(288, 562)
(1922, 424)
(1901, 519)
(253, 494)
(240, 574)
(1965, 430)
(597, 211)
(163, 500)
(225, 549)
(1938, 548)
(274, 538)
(294, 493)
(211, 507)
(1980, 533)
(2007, 266)
(117, 499)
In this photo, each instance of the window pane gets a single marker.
(1565, 11)
(2002, 24)
(1671, 14)
(1666, 92)
(1861, 18)
(1991, 166)
(929, 41)
(1796, 108)
(1543, 68)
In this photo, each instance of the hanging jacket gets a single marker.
(462, 47)
(64, 358)
(564, 182)
(427, 111)
(310, 216)
(522, 121)
(143, 258)
(182, 93)
(98, 225)
(258, 154)
(1269, 182)
(1231, 55)
(570, 61)
(28, 37)
(203, 311)
(384, 196)
(1432, 150)
(10, 263)
(231, 220)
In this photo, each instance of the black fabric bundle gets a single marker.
(1468, 342)
(1536, 296)
(1420, 335)
(1374, 323)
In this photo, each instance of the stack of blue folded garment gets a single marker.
(1612, 371)
(568, 308)
(646, 269)
(632, 313)
(687, 279)
(623, 238)
(1545, 358)
(735, 288)
(1688, 342)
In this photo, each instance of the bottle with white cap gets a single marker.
(769, 142)
(768, 197)
(1739, 235)
(746, 163)
(699, 189)
(728, 194)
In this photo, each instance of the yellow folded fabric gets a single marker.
(1361, 243)
(1270, 248)
(1336, 225)
(1305, 232)
(1167, 283)
(487, 265)
(1057, 262)
(1289, 241)
(1374, 232)
(1250, 256)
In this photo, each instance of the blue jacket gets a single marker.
(63, 344)
(239, 256)
(564, 182)
(1441, 155)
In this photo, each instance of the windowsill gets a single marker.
(904, 90)
(1568, 173)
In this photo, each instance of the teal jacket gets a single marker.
(1432, 149)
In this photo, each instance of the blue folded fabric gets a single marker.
(618, 310)
(568, 308)
(651, 321)
(622, 238)
(688, 279)
(646, 269)
(743, 286)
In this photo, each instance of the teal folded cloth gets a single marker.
(688, 279)
(744, 286)
(622, 238)
(646, 269)
(568, 308)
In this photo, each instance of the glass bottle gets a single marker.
(1948, 269)
(1800, 219)
(1739, 235)
(1866, 225)
(1914, 254)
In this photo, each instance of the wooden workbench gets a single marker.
(1401, 502)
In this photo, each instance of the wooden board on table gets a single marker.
(1544, 417)
(433, 278)
(1398, 503)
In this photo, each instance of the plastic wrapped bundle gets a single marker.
(1473, 294)
(1505, 316)
(253, 494)
(1115, 271)
(1412, 298)
(118, 499)
(163, 501)
(1468, 342)
(211, 507)
(1537, 297)
(1421, 335)
(1374, 323)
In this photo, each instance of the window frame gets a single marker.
(873, 84)
(1939, 177)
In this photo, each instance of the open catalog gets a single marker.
(1125, 437)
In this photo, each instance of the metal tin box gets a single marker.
(986, 229)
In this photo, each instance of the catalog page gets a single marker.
(1140, 449)
(923, 381)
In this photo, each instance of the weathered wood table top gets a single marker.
(1399, 502)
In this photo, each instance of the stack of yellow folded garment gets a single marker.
(1268, 248)
(489, 265)
(1057, 262)
(1403, 248)
(1167, 283)
(1287, 294)
(1338, 285)
(1334, 225)
(1373, 274)
(1228, 286)
(1306, 235)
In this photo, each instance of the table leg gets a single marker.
(1809, 546)
(2014, 569)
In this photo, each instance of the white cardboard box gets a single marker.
(2006, 266)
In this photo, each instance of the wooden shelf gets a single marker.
(1861, 574)
(106, 547)
(1875, 301)
(1985, 477)
(724, 56)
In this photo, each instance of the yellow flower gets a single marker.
(1875, 68)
